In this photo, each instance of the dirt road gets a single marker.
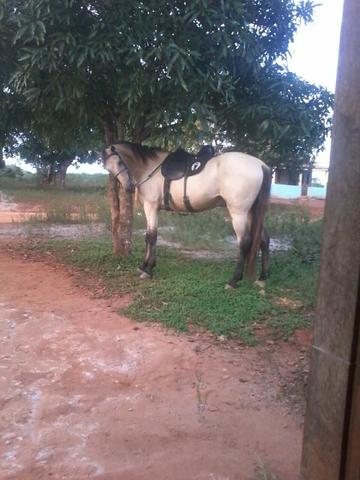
(86, 393)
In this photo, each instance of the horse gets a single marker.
(235, 180)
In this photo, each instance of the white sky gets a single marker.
(314, 56)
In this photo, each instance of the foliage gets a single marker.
(12, 172)
(286, 123)
(13, 112)
(170, 72)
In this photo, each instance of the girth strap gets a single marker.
(186, 198)
(168, 199)
(167, 194)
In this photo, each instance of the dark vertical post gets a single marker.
(331, 449)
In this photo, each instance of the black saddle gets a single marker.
(181, 163)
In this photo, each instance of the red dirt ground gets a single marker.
(314, 206)
(87, 393)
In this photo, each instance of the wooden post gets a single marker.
(331, 449)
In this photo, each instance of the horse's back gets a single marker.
(240, 161)
(240, 177)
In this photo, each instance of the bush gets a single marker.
(12, 171)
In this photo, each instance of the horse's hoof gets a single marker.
(229, 287)
(139, 270)
(260, 283)
(145, 275)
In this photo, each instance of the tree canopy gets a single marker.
(167, 72)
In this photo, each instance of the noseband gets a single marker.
(125, 168)
(122, 163)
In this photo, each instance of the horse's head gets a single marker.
(115, 163)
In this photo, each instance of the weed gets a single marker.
(264, 473)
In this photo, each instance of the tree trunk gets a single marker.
(2, 161)
(121, 203)
(42, 174)
(114, 202)
(120, 127)
(109, 134)
(58, 177)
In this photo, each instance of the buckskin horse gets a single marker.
(183, 182)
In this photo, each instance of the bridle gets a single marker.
(121, 162)
(125, 168)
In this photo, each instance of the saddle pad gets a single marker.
(180, 163)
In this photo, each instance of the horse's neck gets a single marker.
(140, 170)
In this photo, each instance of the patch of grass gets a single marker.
(206, 230)
(187, 293)
(70, 207)
(282, 220)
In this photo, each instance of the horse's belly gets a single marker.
(203, 193)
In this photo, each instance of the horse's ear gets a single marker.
(113, 149)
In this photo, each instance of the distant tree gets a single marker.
(50, 160)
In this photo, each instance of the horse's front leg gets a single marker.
(151, 213)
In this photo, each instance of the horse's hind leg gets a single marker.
(265, 254)
(242, 231)
(151, 213)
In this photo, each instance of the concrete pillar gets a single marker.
(331, 449)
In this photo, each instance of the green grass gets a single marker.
(206, 230)
(187, 293)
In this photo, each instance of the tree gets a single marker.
(13, 112)
(165, 71)
(286, 122)
(51, 161)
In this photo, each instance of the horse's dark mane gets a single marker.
(141, 151)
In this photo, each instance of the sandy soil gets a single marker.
(87, 393)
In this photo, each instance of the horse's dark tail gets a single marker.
(257, 221)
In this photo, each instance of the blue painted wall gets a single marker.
(317, 192)
(285, 191)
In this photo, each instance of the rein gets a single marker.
(126, 169)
